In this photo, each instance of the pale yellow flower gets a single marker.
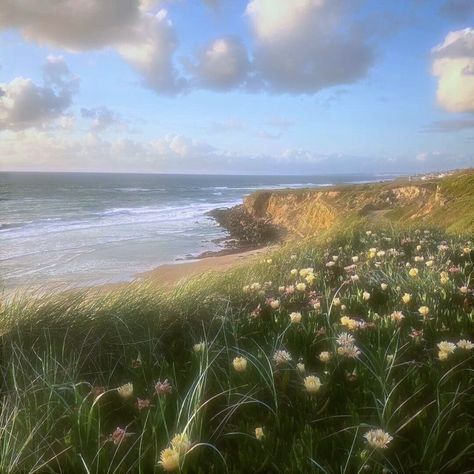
(125, 391)
(464, 290)
(442, 355)
(413, 272)
(447, 347)
(312, 384)
(397, 316)
(275, 304)
(351, 324)
(294, 272)
(383, 286)
(325, 356)
(295, 318)
(336, 302)
(301, 287)
(366, 296)
(259, 434)
(429, 263)
(424, 311)
(240, 364)
(355, 258)
(169, 459)
(355, 278)
(378, 439)
(406, 298)
(301, 367)
(199, 347)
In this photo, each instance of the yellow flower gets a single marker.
(443, 355)
(448, 347)
(406, 298)
(240, 364)
(429, 263)
(301, 287)
(413, 272)
(259, 434)
(378, 439)
(169, 459)
(424, 311)
(181, 444)
(312, 384)
(351, 324)
(125, 391)
(295, 318)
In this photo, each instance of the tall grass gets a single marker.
(64, 357)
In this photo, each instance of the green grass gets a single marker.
(64, 356)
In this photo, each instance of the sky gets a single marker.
(236, 86)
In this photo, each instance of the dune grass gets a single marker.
(261, 369)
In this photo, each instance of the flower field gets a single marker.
(352, 353)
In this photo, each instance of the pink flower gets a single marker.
(119, 435)
(163, 388)
(142, 404)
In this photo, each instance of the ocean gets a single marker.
(74, 229)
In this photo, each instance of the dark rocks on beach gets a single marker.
(244, 229)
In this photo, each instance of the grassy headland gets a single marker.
(287, 364)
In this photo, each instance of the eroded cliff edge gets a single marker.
(447, 202)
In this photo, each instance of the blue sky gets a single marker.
(255, 86)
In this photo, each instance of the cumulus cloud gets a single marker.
(24, 104)
(144, 38)
(306, 45)
(453, 65)
(222, 65)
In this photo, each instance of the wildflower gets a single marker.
(343, 307)
(390, 358)
(335, 258)
(246, 288)
(330, 264)
(413, 272)
(465, 344)
(169, 459)
(269, 261)
(142, 404)
(125, 391)
(301, 367)
(336, 302)
(354, 278)
(345, 339)
(424, 311)
(256, 312)
(466, 250)
(429, 263)
(444, 277)
(290, 289)
(274, 304)
(406, 298)
(349, 350)
(365, 295)
(281, 357)
(351, 324)
(325, 357)
(259, 434)
(281, 289)
(397, 316)
(442, 355)
(163, 388)
(240, 364)
(119, 435)
(416, 335)
(447, 347)
(316, 305)
(312, 384)
(381, 253)
(355, 258)
(199, 347)
(305, 272)
(295, 318)
(301, 287)
(464, 290)
(368, 232)
(294, 272)
(383, 286)
(378, 439)
(180, 443)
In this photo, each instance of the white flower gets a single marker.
(301, 368)
(330, 264)
(259, 434)
(281, 357)
(295, 318)
(355, 258)
(336, 302)
(365, 295)
(325, 356)
(275, 304)
(465, 344)
(429, 263)
(464, 290)
(378, 439)
(397, 316)
(345, 339)
(240, 364)
(383, 286)
(349, 350)
(335, 258)
(312, 384)
(125, 391)
(355, 278)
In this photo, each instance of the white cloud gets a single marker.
(221, 65)
(101, 117)
(24, 104)
(453, 64)
(303, 46)
(146, 40)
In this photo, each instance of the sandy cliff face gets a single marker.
(447, 203)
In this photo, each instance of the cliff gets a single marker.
(446, 202)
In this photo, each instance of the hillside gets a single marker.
(445, 202)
